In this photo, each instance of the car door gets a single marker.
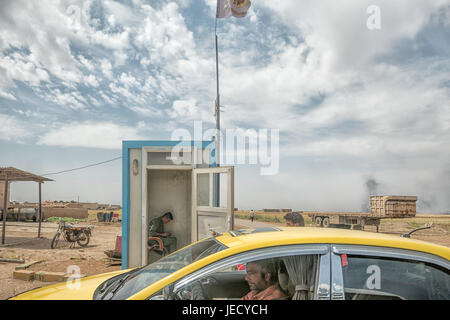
(225, 279)
(379, 273)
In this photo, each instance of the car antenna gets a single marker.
(408, 235)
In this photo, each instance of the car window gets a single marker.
(276, 278)
(376, 278)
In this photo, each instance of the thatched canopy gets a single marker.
(14, 174)
(10, 174)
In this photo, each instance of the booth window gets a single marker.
(203, 190)
(169, 158)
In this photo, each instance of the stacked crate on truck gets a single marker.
(393, 206)
(381, 207)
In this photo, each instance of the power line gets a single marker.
(84, 167)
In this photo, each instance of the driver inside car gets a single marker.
(262, 278)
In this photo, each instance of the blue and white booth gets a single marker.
(175, 176)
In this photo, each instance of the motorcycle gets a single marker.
(72, 233)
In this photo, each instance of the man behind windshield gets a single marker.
(262, 279)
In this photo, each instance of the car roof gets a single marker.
(266, 237)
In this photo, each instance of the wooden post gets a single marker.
(40, 209)
(5, 209)
(12, 260)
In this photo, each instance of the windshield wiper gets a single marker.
(114, 285)
(119, 284)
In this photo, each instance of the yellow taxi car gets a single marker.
(305, 263)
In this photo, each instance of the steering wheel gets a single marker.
(193, 291)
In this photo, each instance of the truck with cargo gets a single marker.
(381, 207)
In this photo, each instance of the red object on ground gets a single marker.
(118, 247)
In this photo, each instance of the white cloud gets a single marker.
(116, 41)
(184, 109)
(381, 98)
(129, 93)
(118, 13)
(338, 29)
(12, 129)
(47, 39)
(185, 3)
(165, 35)
(128, 80)
(103, 135)
(73, 99)
(147, 111)
(108, 99)
(91, 80)
(187, 111)
(106, 67)
(85, 51)
(48, 31)
(86, 63)
(17, 67)
(7, 95)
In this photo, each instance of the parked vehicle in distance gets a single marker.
(381, 207)
(308, 263)
(21, 214)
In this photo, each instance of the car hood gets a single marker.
(62, 291)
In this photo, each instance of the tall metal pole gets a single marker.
(217, 118)
(5, 209)
(217, 102)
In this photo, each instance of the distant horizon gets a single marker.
(66, 201)
(238, 209)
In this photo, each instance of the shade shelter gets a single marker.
(10, 174)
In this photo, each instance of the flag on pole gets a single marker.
(235, 8)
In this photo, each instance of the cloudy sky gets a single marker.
(359, 110)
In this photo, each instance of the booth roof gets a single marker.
(14, 174)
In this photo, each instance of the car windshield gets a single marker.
(139, 279)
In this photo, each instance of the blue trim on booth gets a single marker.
(125, 203)
(126, 146)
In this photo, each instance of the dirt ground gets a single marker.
(22, 243)
(439, 233)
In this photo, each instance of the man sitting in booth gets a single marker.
(156, 229)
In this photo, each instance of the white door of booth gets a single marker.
(208, 216)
